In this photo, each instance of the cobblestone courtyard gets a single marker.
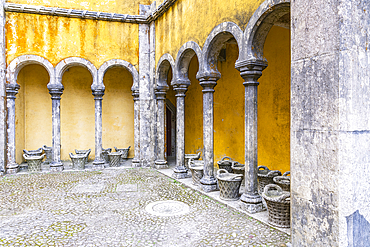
(107, 208)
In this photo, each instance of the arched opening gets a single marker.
(274, 100)
(170, 130)
(32, 110)
(118, 110)
(193, 111)
(77, 112)
(229, 106)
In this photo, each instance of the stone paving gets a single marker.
(107, 208)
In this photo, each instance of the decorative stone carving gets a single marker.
(196, 167)
(265, 177)
(283, 181)
(48, 153)
(33, 162)
(124, 152)
(229, 184)
(114, 159)
(78, 160)
(104, 153)
(86, 153)
(189, 157)
(37, 152)
(11, 92)
(225, 163)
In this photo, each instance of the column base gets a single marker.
(161, 164)
(252, 203)
(98, 164)
(135, 163)
(56, 166)
(208, 184)
(180, 172)
(12, 168)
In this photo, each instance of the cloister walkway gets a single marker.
(120, 207)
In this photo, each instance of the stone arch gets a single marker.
(164, 64)
(20, 62)
(184, 56)
(213, 45)
(267, 14)
(119, 63)
(69, 62)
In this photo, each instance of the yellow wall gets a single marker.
(274, 102)
(33, 110)
(193, 20)
(56, 38)
(77, 112)
(118, 110)
(194, 112)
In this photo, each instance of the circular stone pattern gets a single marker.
(167, 208)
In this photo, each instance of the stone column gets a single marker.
(98, 162)
(180, 171)
(251, 71)
(160, 93)
(136, 159)
(56, 90)
(208, 181)
(11, 92)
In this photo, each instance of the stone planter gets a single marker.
(283, 181)
(278, 205)
(124, 152)
(229, 185)
(34, 162)
(196, 168)
(225, 163)
(114, 159)
(265, 177)
(191, 156)
(86, 153)
(78, 161)
(48, 153)
(238, 168)
(37, 152)
(104, 154)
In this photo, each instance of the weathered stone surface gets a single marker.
(330, 129)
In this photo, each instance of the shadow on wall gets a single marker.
(358, 230)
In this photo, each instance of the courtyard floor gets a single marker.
(114, 207)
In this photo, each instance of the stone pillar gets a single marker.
(56, 90)
(136, 159)
(11, 92)
(180, 171)
(208, 181)
(147, 102)
(330, 127)
(2, 89)
(250, 71)
(160, 92)
(98, 162)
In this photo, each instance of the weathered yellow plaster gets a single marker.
(193, 20)
(33, 110)
(274, 102)
(118, 110)
(56, 38)
(77, 112)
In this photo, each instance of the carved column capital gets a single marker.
(98, 93)
(161, 91)
(136, 95)
(12, 90)
(56, 91)
(180, 90)
(251, 71)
